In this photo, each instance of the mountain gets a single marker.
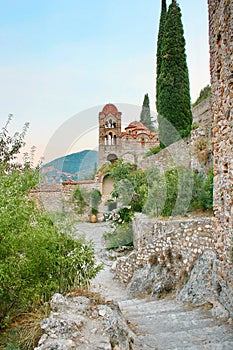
(75, 166)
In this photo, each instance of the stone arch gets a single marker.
(112, 158)
(107, 186)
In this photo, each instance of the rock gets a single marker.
(151, 280)
(58, 302)
(204, 286)
(200, 288)
(73, 326)
(218, 311)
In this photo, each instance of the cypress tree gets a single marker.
(145, 117)
(174, 104)
(159, 44)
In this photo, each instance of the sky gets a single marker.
(62, 60)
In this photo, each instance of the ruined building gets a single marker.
(129, 145)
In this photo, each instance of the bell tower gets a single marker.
(109, 134)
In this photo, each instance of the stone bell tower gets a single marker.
(109, 134)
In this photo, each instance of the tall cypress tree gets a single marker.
(174, 105)
(145, 117)
(159, 44)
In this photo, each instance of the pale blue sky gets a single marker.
(60, 57)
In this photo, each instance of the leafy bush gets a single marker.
(95, 201)
(119, 216)
(202, 191)
(122, 235)
(36, 259)
(156, 193)
(80, 199)
(178, 191)
(130, 186)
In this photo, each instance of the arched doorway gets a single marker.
(112, 158)
(107, 186)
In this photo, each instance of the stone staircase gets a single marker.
(168, 325)
(159, 324)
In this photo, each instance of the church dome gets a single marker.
(136, 125)
(110, 109)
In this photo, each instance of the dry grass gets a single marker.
(95, 297)
(25, 330)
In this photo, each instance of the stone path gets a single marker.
(159, 324)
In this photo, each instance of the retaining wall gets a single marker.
(172, 242)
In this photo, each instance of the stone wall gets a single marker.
(174, 155)
(174, 243)
(49, 196)
(201, 137)
(195, 152)
(58, 197)
(202, 113)
(221, 68)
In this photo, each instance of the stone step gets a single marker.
(162, 324)
(168, 325)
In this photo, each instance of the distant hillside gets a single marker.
(76, 166)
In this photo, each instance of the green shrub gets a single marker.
(122, 235)
(80, 199)
(36, 259)
(202, 191)
(156, 193)
(178, 191)
(95, 201)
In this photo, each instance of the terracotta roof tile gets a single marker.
(110, 109)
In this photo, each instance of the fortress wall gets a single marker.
(221, 68)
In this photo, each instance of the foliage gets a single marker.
(173, 94)
(204, 93)
(202, 191)
(36, 259)
(120, 169)
(28, 275)
(80, 199)
(119, 216)
(130, 186)
(95, 201)
(173, 193)
(160, 45)
(195, 126)
(121, 236)
(145, 117)
(156, 193)
(131, 190)
(202, 149)
(84, 200)
(153, 150)
(178, 191)
(25, 331)
(10, 146)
